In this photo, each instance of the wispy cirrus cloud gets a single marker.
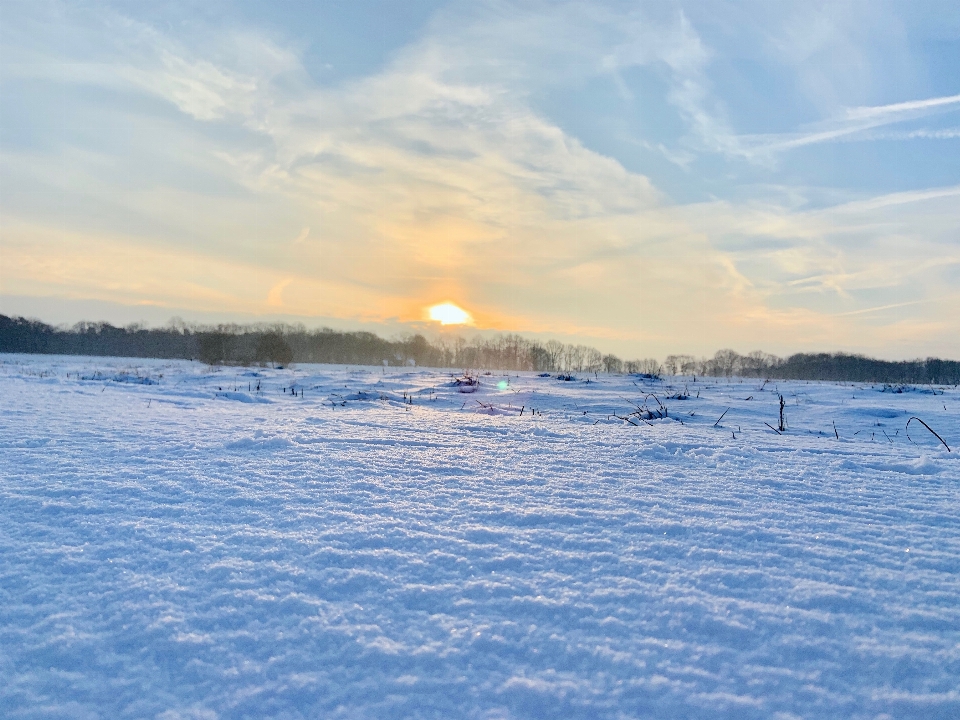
(857, 121)
(897, 112)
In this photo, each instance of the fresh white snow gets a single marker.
(175, 543)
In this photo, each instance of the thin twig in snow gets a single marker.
(928, 428)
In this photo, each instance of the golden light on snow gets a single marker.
(449, 314)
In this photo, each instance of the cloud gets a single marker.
(923, 134)
(900, 248)
(856, 121)
(275, 296)
(897, 112)
(828, 55)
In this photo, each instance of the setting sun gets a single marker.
(449, 314)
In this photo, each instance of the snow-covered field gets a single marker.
(175, 543)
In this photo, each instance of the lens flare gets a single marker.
(449, 314)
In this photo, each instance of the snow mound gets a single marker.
(240, 397)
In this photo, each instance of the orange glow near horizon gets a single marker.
(449, 314)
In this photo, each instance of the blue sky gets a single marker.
(644, 177)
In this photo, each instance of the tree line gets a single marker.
(844, 367)
(283, 344)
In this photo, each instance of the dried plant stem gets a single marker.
(928, 428)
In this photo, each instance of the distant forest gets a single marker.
(284, 344)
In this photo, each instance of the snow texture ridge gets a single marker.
(329, 542)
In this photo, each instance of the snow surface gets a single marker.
(175, 543)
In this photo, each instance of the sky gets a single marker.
(647, 178)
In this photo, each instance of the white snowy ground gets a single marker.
(176, 545)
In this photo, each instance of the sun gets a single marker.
(449, 314)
